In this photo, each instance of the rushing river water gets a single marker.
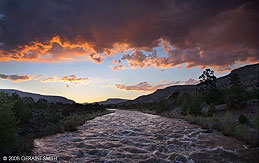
(130, 136)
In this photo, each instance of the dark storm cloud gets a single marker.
(211, 32)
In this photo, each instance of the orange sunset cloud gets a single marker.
(67, 79)
(73, 79)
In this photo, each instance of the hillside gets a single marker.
(161, 94)
(248, 74)
(36, 97)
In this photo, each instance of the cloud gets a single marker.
(50, 51)
(144, 86)
(117, 66)
(73, 79)
(37, 77)
(217, 33)
(15, 78)
(50, 79)
(67, 79)
(191, 82)
(3, 76)
(192, 57)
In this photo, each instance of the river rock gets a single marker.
(136, 150)
(222, 107)
(177, 157)
(205, 109)
(79, 153)
(96, 152)
(153, 160)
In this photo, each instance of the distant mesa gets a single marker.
(111, 101)
(36, 97)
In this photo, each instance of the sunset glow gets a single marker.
(89, 51)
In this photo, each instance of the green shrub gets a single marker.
(195, 107)
(211, 110)
(254, 94)
(236, 95)
(28, 100)
(50, 130)
(42, 104)
(54, 128)
(174, 96)
(215, 121)
(256, 122)
(243, 119)
(24, 113)
(162, 107)
(206, 123)
(3, 98)
(190, 118)
(183, 101)
(26, 144)
(203, 122)
(227, 124)
(60, 127)
(213, 96)
(245, 133)
(66, 112)
(42, 114)
(8, 128)
(242, 131)
(53, 108)
(71, 123)
(54, 117)
(22, 108)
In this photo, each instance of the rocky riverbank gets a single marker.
(22, 120)
(224, 120)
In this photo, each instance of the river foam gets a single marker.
(130, 136)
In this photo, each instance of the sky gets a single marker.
(92, 50)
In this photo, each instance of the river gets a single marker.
(131, 136)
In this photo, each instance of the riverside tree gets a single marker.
(236, 93)
(207, 79)
(208, 88)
